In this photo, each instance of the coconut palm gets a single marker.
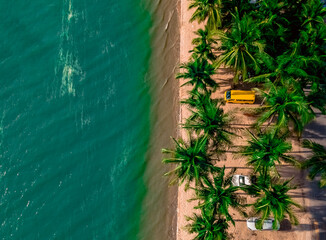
(239, 46)
(203, 44)
(232, 6)
(313, 14)
(208, 117)
(218, 195)
(207, 227)
(273, 200)
(199, 72)
(273, 24)
(317, 162)
(286, 70)
(287, 107)
(317, 99)
(205, 36)
(193, 162)
(266, 150)
(209, 10)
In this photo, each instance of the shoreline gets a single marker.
(159, 219)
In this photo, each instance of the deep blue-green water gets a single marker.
(75, 118)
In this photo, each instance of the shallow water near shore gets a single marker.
(77, 112)
(88, 99)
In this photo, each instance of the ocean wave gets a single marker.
(68, 60)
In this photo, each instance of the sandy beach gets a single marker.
(240, 123)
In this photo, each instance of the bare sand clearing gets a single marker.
(241, 121)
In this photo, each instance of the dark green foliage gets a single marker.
(207, 227)
(240, 46)
(203, 44)
(218, 195)
(242, 7)
(273, 200)
(286, 107)
(199, 72)
(193, 162)
(317, 99)
(267, 150)
(317, 162)
(208, 117)
(313, 15)
(209, 10)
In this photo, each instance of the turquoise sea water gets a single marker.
(74, 118)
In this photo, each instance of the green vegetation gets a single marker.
(317, 162)
(203, 44)
(267, 150)
(240, 46)
(280, 47)
(217, 195)
(273, 199)
(208, 227)
(207, 10)
(286, 107)
(192, 159)
(199, 72)
(208, 117)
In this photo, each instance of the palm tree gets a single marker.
(317, 162)
(273, 199)
(273, 26)
(232, 7)
(205, 36)
(207, 227)
(285, 70)
(239, 46)
(313, 14)
(193, 162)
(209, 10)
(267, 150)
(208, 117)
(317, 99)
(217, 195)
(287, 107)
(199, 73)
(203, 44)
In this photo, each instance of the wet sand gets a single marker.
(159, 221)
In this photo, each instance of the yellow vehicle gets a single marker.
(239, 96)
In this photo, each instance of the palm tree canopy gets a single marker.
(286, 107)
(193, 162)
(240, 45)
(199, 72)
(317, 99)
(313, 14)
(209, 10)
(267, 150)
(286, 70)
(217, 195)
(317, 162)
(208, 117)
(207, 227)
(203, 44)
(205, 36)
(273, 200)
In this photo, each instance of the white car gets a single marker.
(267, 224)
(240, 180)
